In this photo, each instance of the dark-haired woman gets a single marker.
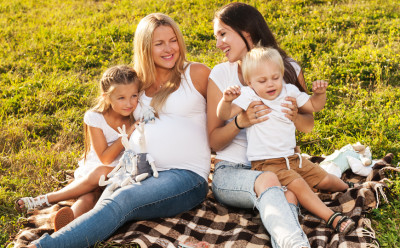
(238, 27)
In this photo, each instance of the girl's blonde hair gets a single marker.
(112, 77)
(143, 57)
(252, 60)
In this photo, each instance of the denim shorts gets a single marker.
(233, 184)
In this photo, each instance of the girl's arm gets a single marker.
(221, 135)
(106, 154)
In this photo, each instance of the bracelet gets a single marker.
(237, 124)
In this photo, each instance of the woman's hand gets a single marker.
(255, 113)
(292, 109)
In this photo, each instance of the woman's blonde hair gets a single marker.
(112, 77)
(143, 57)
(255, 56)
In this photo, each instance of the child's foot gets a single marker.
(63, 217)
(342, 224)
(28, 204)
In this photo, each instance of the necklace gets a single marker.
(161, 85)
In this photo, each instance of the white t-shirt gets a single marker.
(225, 75)
(178, 138)
(95, 119)
(275, 137)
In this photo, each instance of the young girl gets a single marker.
(118, 99)
(271, 144)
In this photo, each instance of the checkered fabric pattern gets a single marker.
(221, 226)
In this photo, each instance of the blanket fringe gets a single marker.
(367, 231)
(380, 192)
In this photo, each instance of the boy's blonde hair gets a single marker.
(143, 57)
(112, 77)
(255, 56)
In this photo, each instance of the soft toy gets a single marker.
(357, 157)
(143, 158)
(147, 113)
(363, 164)
(131, 168)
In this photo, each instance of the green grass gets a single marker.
(53, 52)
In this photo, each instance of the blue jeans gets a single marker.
(233, 185)
(173, 192)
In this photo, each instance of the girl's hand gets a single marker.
(292, 110)
(255, 113)
(319, 87)
(231, 93)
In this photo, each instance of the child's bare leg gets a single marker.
(85, 203)
(291, 197)
(80, 186)
(311, 202)
(332, 183)
(77, 188)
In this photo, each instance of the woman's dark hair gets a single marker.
(242, 17)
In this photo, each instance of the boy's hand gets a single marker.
(319, 87)
(231, 93)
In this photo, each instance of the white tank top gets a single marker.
(178, 138)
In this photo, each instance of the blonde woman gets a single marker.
(177, 140)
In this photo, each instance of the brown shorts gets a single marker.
(310, 172)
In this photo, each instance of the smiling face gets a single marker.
(230, 42)
(165, 47)
(124, 98)
(266, 80)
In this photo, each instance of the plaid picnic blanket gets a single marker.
(213, 225)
